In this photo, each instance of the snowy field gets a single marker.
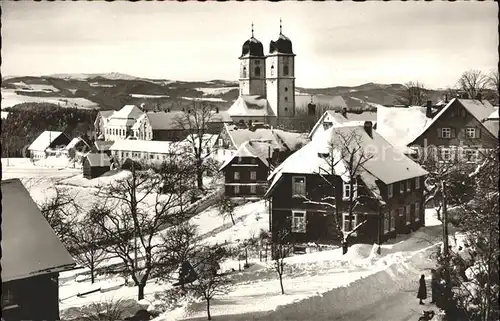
(10, 98)
(253, 290)
(148, 96)
(205, 99)
(215, 91)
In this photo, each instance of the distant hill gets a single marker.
(113, 90)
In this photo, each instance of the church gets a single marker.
(266, 82)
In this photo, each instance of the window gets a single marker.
(445, 154)
(298, 186)
(408, 185)
(393, 220)
(469, 155)
(286, 89)
(285, 70)
(253, 161)
(347, 189)
(470, 132)
(408, 214)
(257, 71)
(417, 211)
(151, 156)
(446, 132)
(236, 176)
(240, 160)
(7, 298)
(236, 190)
(387, 222)
(390, 190)
(286, 98)
(327, 125)
(417, 182)
(298, 221)
(253, 189)
(401, 187)
(345, 222)
(244, 74)
(257, 62)
(253, 176)
(220, 142)
(272, 70)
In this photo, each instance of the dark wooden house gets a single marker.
(32, 258)
(312, 191)
(246, 171)
(458, 131)
(95, 164)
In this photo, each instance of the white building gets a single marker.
(267, 83)
(48, 143)
(119, 124)
(142, 150)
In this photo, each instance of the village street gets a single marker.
(389, 295)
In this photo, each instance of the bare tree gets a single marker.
(494, 83)
(281, 249)
(179, 244)
(473, 83)
(86, 241)
(414, 94)
(209, 282)
(475, 265)
(226, 208)
(60, 212)
(344, 157)
(138, 212)
(196, 123)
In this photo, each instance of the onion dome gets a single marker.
(282, 45)
(252, 47)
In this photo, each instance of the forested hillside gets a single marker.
(26, 121)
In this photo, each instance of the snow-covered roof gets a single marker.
(247, 105)
(480, 109)
(126, 116)
(347, 119)
(29, 245)
(148, 146)
(384, 162)
(494, 114)
(98, 159)
(255, 149)
(103, 145)
(106, 113)
(401, 125)
(5, 114)
(278, 138)
(43, 141)
(74, 142)
(208, 140)
(166, 120)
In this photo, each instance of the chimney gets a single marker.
(479, 96)
(446, 98)
(428, 112)
(369, 128)
(216, 110)
(344, 112)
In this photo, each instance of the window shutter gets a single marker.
(478, 132)
(452, 130)
(439, 133)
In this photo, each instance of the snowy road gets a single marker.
(389, 295)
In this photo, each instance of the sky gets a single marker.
(336, 43)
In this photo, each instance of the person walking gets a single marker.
(422, 290)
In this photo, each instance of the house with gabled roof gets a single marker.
(246, 171)
(95, 164)
(331, 118)
(310, 195)
(458, 131)
(32, 258)
(119, 124)
(101, 122)
(48, 142)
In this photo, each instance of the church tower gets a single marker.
(280, 76)
(252, 68)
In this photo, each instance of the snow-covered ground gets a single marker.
(215, 91)
(148, 96)
(10, 98)
(205, 99)
(35, 87)
(254, 289)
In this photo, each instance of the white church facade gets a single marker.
(266, 82)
